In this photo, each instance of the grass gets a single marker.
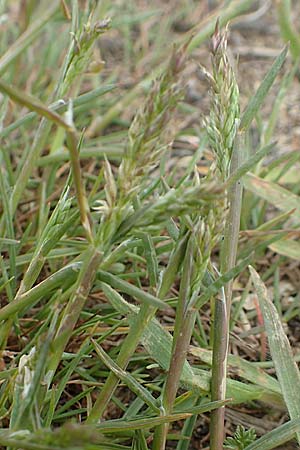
(120, 323)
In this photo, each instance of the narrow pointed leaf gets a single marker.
(261, 93)
(128, 379)
(244, 369)
(286, 369)
(130, 289)
(249, 164)
(115, 426)
(63, 277)
(273, 193)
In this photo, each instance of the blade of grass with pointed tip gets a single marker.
(85, 99)
(261, 93)
(286, 369)
(273, 193)
(128, 379)
(276, 437)
(244, 369)
(27, 300)
(33, 104)
(118, 426)
(130, 289)
(249, 164)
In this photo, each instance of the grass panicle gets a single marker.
(150, 132)
(223, 121)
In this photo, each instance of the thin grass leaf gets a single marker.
(8, 217)
(286, 369)
(244, 369)
(261, 93)
(118, 426)
(63, 277)
(130, 289)
(249, 164)
(276, 195)
(128, 379)
(59, 106)
(8, 241)
(214, 286)
(33, 104)
(285, 84)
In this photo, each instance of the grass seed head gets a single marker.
(222, 123)
(149, 135)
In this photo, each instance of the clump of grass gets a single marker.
(92, 251)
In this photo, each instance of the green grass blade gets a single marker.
(128, 379)
(261, 93)
(288, 32)
(130, 289)
(249, 164)
(286, 369)
(277, 195)
(33, 104)
(118, 426)
(30, 298)
(60, 106)
(244, 369)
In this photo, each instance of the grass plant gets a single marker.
(119, 318)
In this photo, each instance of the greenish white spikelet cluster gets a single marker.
(223, 121)
(23, 384)
(150, 134)
(82, 51)
(25, 373)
